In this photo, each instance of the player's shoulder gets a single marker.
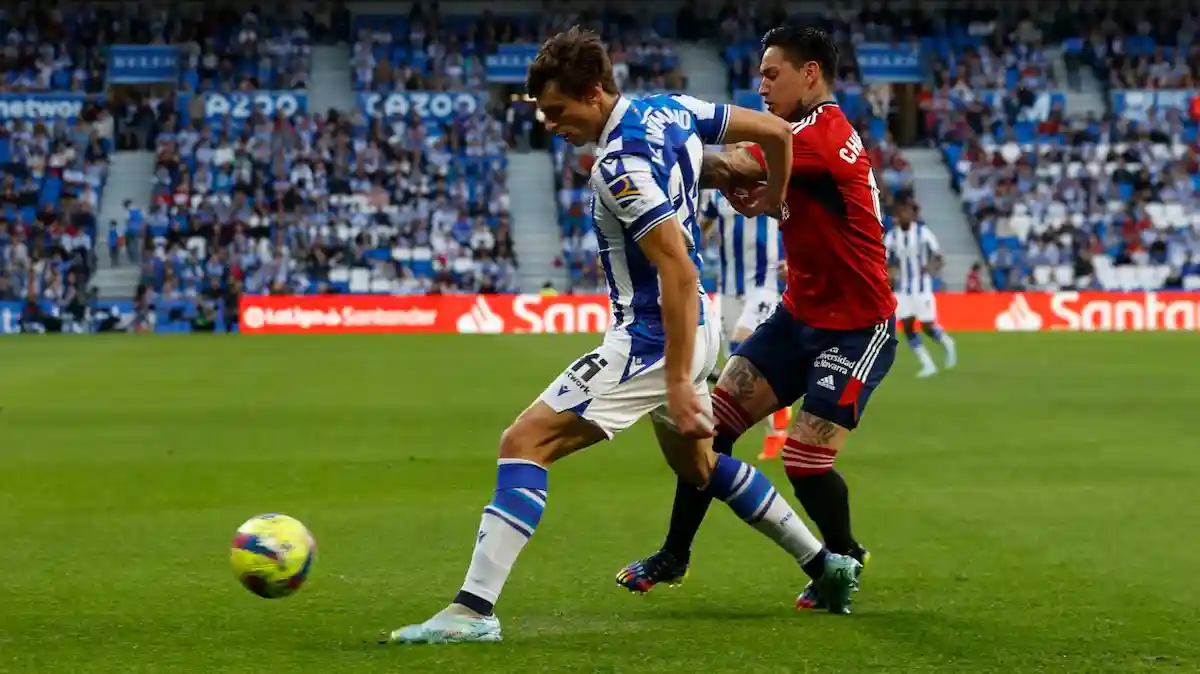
(700, 109)
(842, 140)
(623, 175)
(653, 114)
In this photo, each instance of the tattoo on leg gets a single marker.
(741, 379)
(815, 430)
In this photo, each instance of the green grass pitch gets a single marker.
(1034, 510)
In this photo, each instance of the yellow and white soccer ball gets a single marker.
(272, 555)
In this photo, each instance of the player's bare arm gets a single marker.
(739, 176)
(935, 264)
(728, 169)
(774, 138)
(664, 247)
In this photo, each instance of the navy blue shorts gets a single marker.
(835, 371)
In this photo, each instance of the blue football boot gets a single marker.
(660, 567)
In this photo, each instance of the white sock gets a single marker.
(507, 524)
(781, 524)
(923, 355)
(753, 498)
(946, 341)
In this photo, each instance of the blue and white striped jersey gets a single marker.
(647, 172)
(911, 251)
(750, 247)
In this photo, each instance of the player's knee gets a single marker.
(910, 331)
(526, 440)
(514, 442)
(932, 329)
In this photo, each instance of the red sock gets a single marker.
(800, 459)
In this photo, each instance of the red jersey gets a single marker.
(837, 274)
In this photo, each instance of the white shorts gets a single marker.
(749, 311)
(921, 306)
(613, 388)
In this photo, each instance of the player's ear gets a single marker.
(595, 94)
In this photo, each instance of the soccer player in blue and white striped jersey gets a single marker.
(913, 253)
(748, 283)
(662, 342)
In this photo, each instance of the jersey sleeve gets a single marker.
(807, 157)
(628, 186)
(711, 118)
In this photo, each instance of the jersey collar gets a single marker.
(614, 118)
(801, 113)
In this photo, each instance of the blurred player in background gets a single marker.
(834, 338)
(748, 282)
(662, 343)
(914, 256)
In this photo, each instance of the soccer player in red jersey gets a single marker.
(834, 338)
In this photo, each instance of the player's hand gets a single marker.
(750, 202)
(690, 416)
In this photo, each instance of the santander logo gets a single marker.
(1019, 317)
(1100, 312)
(480, 319)
(1136, 311)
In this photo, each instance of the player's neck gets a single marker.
(810, 103)
(608, 103)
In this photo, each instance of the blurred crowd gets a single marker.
(1078, 201)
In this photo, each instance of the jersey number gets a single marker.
(875, 196)
(591, 365)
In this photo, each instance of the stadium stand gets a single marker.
(256, 194)
(54, 147)
(1075, 202)
(455, 227)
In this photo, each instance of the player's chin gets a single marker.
(779, 110)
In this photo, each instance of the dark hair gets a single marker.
(576, 61)
(802, 45)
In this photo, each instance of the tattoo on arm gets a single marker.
(815, 430)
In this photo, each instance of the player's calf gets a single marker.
(937, 334)
(741, 389)
(752, 497)
(913, 338)
(808, 458)
(740, 400)
(528, 447)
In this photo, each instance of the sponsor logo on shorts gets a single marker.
(832, 359)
